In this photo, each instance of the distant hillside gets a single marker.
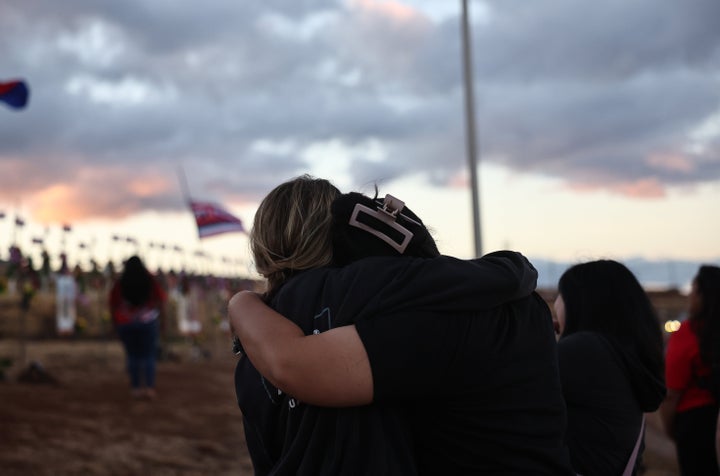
(652, 274)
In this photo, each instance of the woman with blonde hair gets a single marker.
(291, 234)
(291, 230)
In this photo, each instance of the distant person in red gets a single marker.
(136, 305)
(692, 372)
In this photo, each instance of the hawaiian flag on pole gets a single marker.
(14, 93)
(212, 219)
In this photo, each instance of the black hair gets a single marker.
(136, 282)
(604, 296)
(351, 243)
(707, 318)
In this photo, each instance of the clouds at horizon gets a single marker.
(611, 96)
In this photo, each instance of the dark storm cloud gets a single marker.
(602, 95)
(599, 41)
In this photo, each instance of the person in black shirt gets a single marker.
(611, 365)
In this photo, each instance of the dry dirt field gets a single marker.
(87, 424)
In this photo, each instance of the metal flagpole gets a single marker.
(470, 128)
(184, 189)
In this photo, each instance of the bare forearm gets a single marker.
(261, 331)
(329, 369)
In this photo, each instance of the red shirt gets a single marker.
(682, 367)
(122, 312)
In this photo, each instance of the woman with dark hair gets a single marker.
(611, 365)
(692, 361)
(136, 305)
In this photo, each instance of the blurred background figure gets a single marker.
(185, 298)
(65, 295)
(136, 307)
(690, 411)
(13, 269)
(610, 353)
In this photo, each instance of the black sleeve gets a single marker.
(466, 285)
(433, 285)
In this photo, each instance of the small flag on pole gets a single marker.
(212, 219)
(15, 93)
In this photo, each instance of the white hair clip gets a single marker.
(382, 222)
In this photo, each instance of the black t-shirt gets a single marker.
(604, 413)
(289, 437)
(286, 437)
(483, 385)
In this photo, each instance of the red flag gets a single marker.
(212, 219)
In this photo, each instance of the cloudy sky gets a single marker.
(598, 122)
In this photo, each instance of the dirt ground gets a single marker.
(87, 424)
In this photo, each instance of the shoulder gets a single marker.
(682, 339)
(686, 330)
(582, 338)
(367, 270)
(581, 345)
(587, 361)
(685, 335)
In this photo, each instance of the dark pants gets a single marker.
(695, 441)
(140, 342)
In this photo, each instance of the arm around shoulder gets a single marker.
(328, 369)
